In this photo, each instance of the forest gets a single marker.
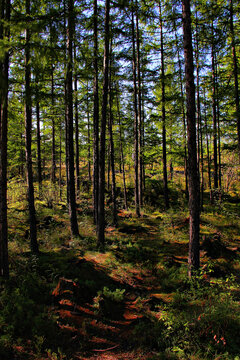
(119, 179)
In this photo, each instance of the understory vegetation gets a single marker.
(134, 298)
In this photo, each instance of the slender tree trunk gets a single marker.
(140, 178)
(53, 170)
(28, 137)
(183, 114)
(136, 162)
(193, 257)
(101, 207)
(235, 71)
(112, 157)
(215, 155)
(218, 133)
(165, 180)
(95, 119)
(121, 153)
(76, 124)
(39, 160)
(88, 138)
(207, 141)
(69, 124)
(4, 67)
(60, 162)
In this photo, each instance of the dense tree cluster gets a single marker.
(92, 89)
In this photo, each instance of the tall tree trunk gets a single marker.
(140, 170)
(193, 257)
(112, 157)
(215, 152)
(76, 123)
(69, 124)
(28, 137)
(235, 71)
(60, 162)
(39, 160)
(4, 67)
(183, 113)
(88, 137)
(136, 135)
(53, 170)
(165, 180)
(95, 118)
(207, 141)
(218, 133)
(121, 152)
(101, 208)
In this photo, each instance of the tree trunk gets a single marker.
(165, 180)
(53, 172)
(193, 257)
(28, 138)
(215, 155)
(140, 170)
(4, 67)
(88, 138)
(69, 124)
(183, 114)
(101, 208)
(76, 124)
(136, 163)
(235, 71)
(207, 141)
(121, 153)
(39, 160)
(112, 157)
(95, 119)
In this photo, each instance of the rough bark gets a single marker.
(214, 113)
(235, 71)
(193, 257)
(95, 118)
(28, 138)
(121, 153)
(69, 124)
(39, 160)
(140, 170)
(136, 157)
(76, 125)
(4, 67)
(101, 207)
(165, 180)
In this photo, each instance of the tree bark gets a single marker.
(112, 157)
(4, 68)
(76, 124)
(165, 180)
(101, 207)
(28, 137)
(140, 170)
(136, 135)
(39, 160)
(235, 71)
(193, 257)
(95, 119)
(121, 153)
(183, 113)
(69, 124)
(215, 152)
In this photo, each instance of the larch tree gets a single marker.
(69, 122)
(4, 69)
(28, 133)
(101, 205)
(193, 256)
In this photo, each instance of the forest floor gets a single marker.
(131, 301)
